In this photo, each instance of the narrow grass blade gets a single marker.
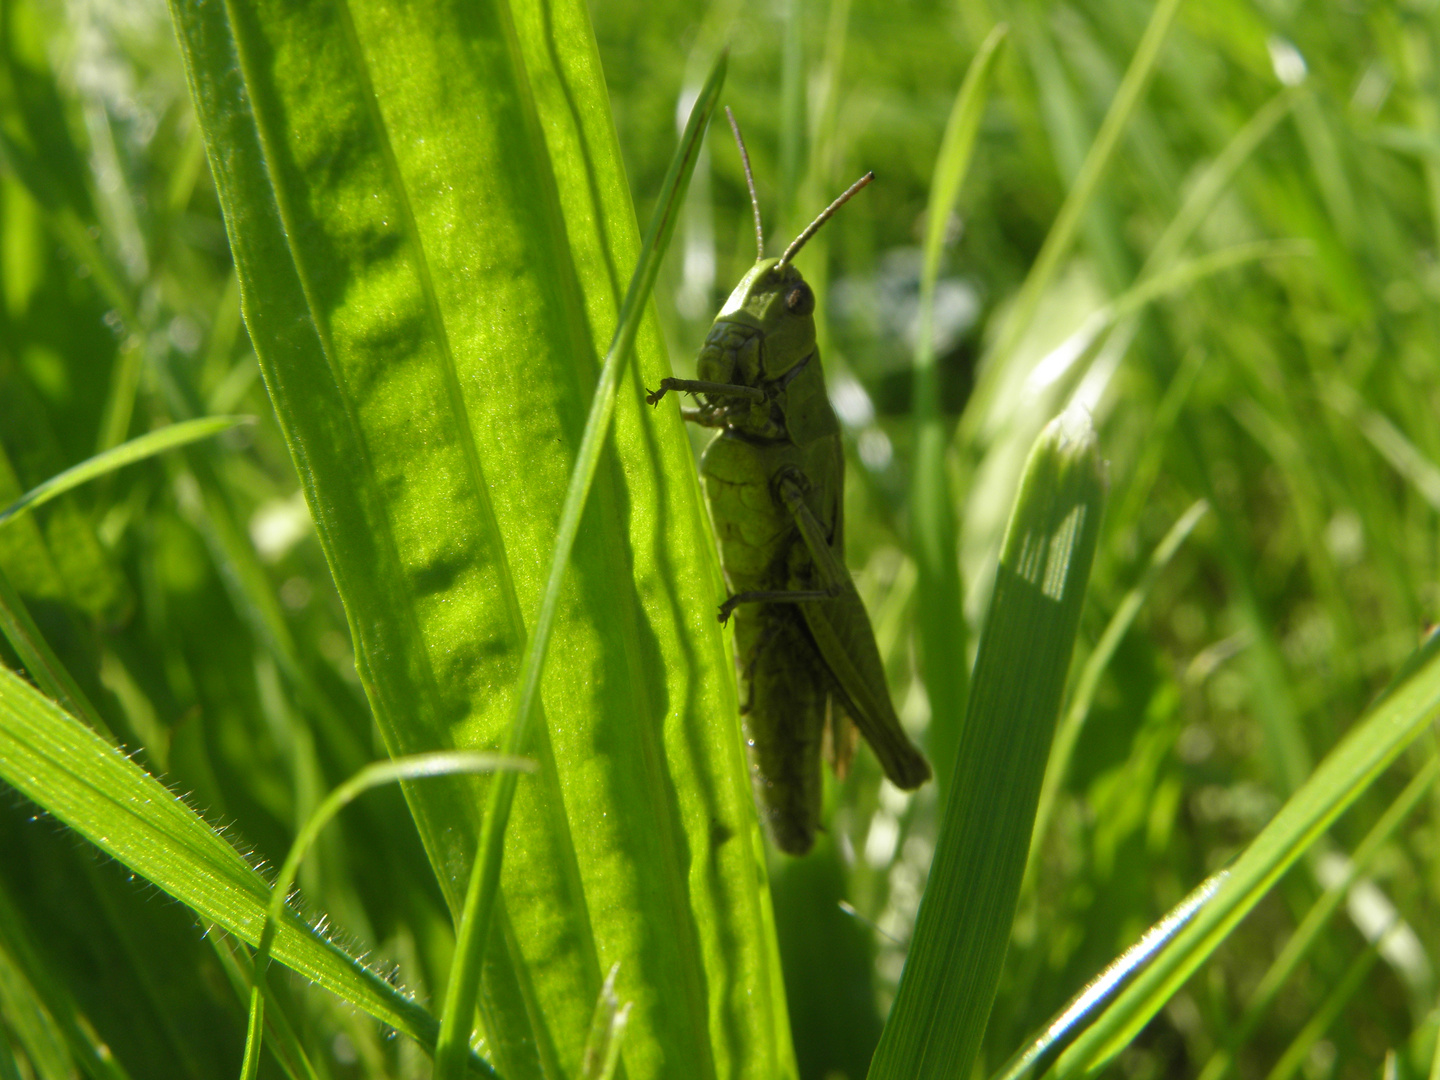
(934, 542)
(61, 765)
(1401, 715)
(137, 449)
(1222, 1062)
(484, 885)
(1107, 984)
(40, 660)
(372, 776)
(963, 926)
(602, 1048)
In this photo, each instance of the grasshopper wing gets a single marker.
(842, 631)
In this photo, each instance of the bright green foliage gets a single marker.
(432, 380)
(477, 919)
(1213, 226)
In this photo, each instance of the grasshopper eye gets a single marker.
(800, 300)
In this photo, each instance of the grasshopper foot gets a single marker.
(652, 397)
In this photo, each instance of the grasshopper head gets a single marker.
(766, 330)
(771, 315)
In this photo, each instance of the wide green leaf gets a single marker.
(482, 893)
(432, 232)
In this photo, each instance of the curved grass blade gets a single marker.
(1108, 983)
(934, 537)
(1406, 710)
(137, 449)
(963, 926)
(372, 776)
(61, 765)
(484, 885)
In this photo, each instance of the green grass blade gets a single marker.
(963, 927)
(941, 622)
(1345, 773)
(137, 449)
(59, 764)
(480, 897)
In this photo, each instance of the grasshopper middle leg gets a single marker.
(774, 596)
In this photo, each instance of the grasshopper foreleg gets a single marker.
(699, 386)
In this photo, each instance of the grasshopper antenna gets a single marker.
(825, 215)
(749, 183)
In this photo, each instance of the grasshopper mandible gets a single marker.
(774, 476)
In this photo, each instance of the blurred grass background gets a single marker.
(1296, 391)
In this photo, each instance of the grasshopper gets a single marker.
(774, 476)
